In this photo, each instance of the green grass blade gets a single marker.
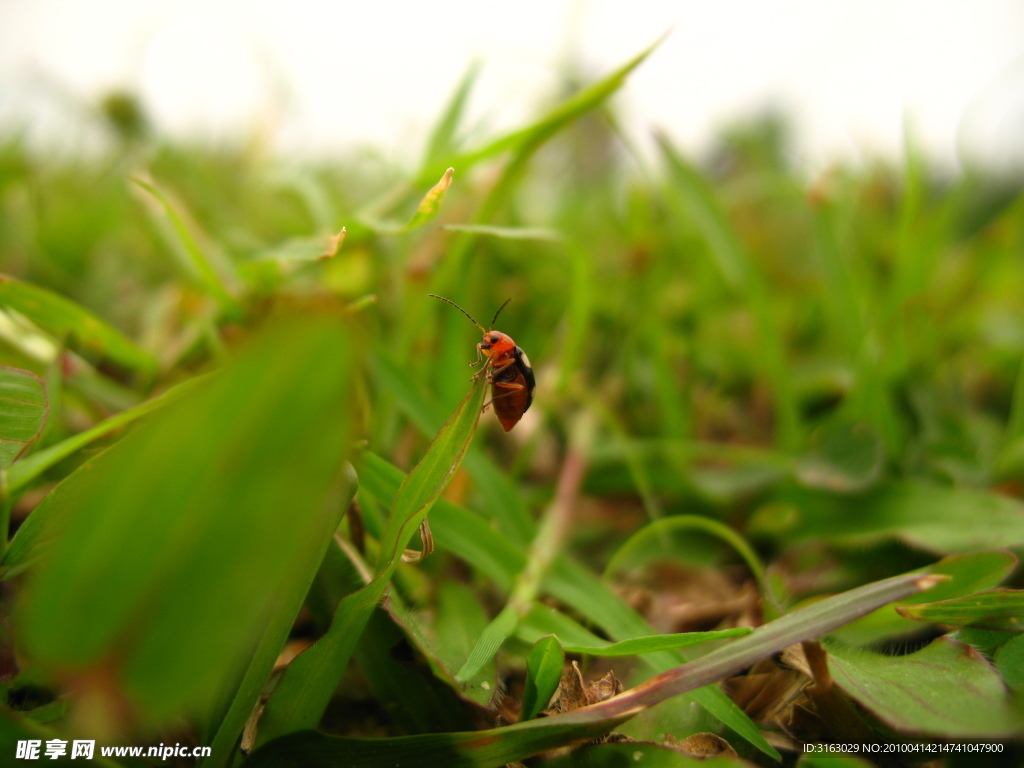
(500, 629)
(309, 682)
(471, 538)
(582, 102)
(657, 643)
(657, 529)
(199, 528)
(23, 411)
(699, 201)
(485, 749)
(63, 318)
(997, 609)
(507, 233)
(543, 672)
(196, 262)
(443, 141)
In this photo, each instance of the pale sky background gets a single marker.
(331, 76)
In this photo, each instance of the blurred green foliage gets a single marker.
(824, 366)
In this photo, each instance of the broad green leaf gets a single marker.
(309, 681)
(23, 411)
(946, 689)
(844, 458)
(1009, 661)
(63, 318)
(657, 643)
(200, 529)
(431, 202)
(543, 672)
(935, 517)
(998, 609)
(485, 749)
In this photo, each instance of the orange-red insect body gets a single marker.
(507, 369)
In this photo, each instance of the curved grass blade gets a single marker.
(579, 104)
(23, 411)
(62, 318)
(485, 749)
(309, 681)
(659, 528)
(180, 238)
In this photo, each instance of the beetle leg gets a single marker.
(479, 356)
(506, 385)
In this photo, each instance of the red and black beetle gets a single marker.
(507, 369)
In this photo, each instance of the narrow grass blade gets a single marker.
(471, 538)
(309, 682)
(543, 671)
(507, 233)
(582, 102)
(484, 749)
(443, 141)
(657, 530)
(699, 201)
(197, 263)
(657, 643)
(491, 639)
(997, 609)
(63, 318)
(23, 411)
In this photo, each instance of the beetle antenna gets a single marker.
(499, 312)
(442, 298)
